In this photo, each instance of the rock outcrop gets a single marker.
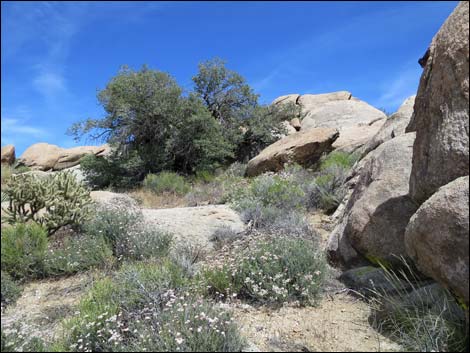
(303, 147)
(44, 156)
(356, 121)
(194, 225)
(378, 208)
(394, 126)
(441, 111)
(437, 237)
(8, 154)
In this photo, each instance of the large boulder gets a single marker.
(194, 225)
(437, 237)
(441, 111)
(378, 209)
(311, 101)
(44, 156)
(303, 147)
(289, 98)
(8, 154)
(394, 126)
(356, 121)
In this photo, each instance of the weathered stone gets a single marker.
(394, 126)
(355, 120)
(378, 208)
(437, 237)
(289, 98)
(311, 101)
(44, 156)
(441, 111)
(304, 148)
(8, 154)
(370, 281)
(295, 123)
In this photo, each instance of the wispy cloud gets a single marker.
(397, 88)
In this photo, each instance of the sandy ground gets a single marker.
(338, 323)
(44, 304)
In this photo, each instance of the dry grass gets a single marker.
(148, 199)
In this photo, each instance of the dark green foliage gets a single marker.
(226, 94)
(24, 248)
(10, 290)
(119, 170)
(263, 128)
(147, 117)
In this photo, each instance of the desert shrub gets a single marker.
(327, 190)
(217, 190)
(272, 271)
(18, 341)
(266, 198)
(339, 159)
(122, 227)
(11, 291)
(61, 199)
(144, 307)
(188, 325)
(166, 182)
(427, 319)
(224, 234)
(23, 250)
(76, 254)
(187, 255)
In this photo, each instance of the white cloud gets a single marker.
(11, 127)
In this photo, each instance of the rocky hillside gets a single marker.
(348, 232)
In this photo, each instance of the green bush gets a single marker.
(53, 202)
(77, 254)
(266, 198)
(144, 307)
(272, 271)
(122, 227)
(339, 159)
(166, 182)
(10, 290)
(24, 248)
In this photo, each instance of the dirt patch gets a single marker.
(44, 304)
(339, 323)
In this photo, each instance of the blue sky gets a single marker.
(57, 55)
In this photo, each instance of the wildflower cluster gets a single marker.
(147, 307)
(273, 270)
(121, 225)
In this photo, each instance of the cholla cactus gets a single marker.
(53, 201)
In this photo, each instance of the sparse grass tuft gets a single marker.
(427, 319)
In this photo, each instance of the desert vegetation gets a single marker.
(159, 281)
